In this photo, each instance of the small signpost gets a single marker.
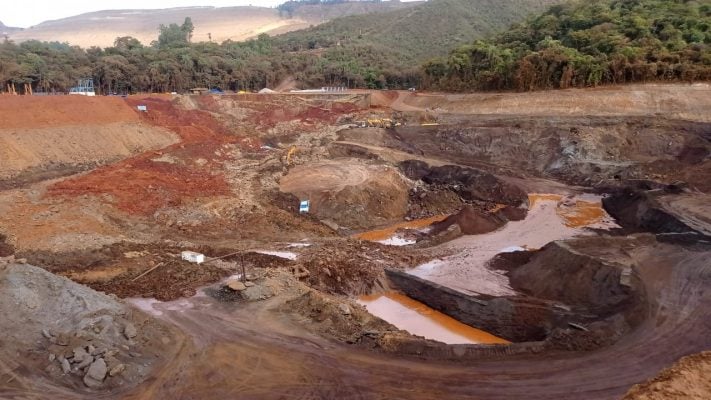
(142, 108)
(304, 206)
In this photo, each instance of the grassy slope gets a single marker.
(417, 33)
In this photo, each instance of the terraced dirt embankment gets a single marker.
(45, 137)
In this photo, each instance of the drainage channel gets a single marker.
(418, 319)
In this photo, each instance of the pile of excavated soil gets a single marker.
(688, 379)
(333, 317)
(39, 151)
(469, 183)
(350, 193)
(352, 267)
(471, 221)
(71, 335)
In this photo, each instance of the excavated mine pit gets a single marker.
(501, 256)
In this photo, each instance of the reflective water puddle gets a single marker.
(418, 319)
(388, 234)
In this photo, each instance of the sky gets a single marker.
(26, 13)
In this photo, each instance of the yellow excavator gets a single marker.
(286, 159)
(385, 123)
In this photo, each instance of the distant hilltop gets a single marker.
(101, 28)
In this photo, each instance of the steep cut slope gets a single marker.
(417, 33)
(45, 137)
(217, 24)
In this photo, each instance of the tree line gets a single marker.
(578, 44)
(174, 64)
(586, 43)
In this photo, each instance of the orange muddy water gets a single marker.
(575, 212)
(418, 319)
(387, 233)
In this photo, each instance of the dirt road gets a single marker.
(252, 353)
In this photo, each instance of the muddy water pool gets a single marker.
(550, 218)
(418, 319)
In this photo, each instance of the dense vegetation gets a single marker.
(376, 50)
(587, 43)
(412, 35)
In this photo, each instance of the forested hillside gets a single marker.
(375, 50)
(415, 34)
(586, 43)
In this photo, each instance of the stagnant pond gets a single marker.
(418, 319)
(551, 217)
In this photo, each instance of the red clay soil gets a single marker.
(42, 112)
(141, 186)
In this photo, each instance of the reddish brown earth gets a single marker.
(44, 112)
(141, 185)
(217, 191)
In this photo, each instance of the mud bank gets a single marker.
(567, 294)
(418, 319)
(681, 217)
(512, 318)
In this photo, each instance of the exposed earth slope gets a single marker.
(580, 239)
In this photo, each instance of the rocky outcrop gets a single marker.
(76, 335)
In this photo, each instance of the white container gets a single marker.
(193, 257)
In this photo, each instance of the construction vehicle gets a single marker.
(289, 154)
(385, 123)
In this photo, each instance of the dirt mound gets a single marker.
(74, 147)
(352, 267)
(683, 217)
(351, 194)
(688, 379)
(471, 221)
(469, 183)
(73, 336)
(340, 319)
(563, 273)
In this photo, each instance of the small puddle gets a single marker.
(576, 212)
(418, 319)
(384, 235)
